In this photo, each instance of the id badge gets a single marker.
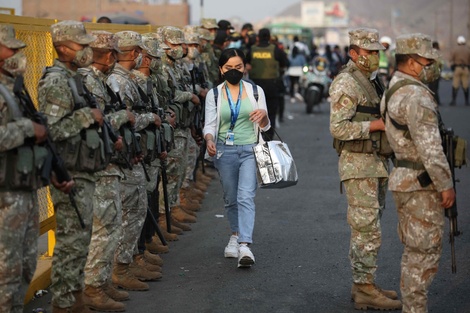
(229, 138)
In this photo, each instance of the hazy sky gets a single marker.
(247, 10)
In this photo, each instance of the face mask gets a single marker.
(235, 44)
(83, 57)
(430, 73)
(193, 53)
(155, 65)
(138, 60)
(233, 76)
(369, 63)
(176, 53)
(16, 64)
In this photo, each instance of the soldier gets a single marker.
(360, 141)
(183, 104)
(412, 127)
(133, 186)
(208, 56)
(73, 126)
(211, 25)
(100, 293)
(460, 61)
(19, 222)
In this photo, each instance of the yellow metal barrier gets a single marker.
(40, 53)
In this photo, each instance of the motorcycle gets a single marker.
(315, 82)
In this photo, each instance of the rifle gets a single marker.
(54, 162)
(197, 76)
(451, 213)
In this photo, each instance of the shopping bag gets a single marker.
(275, 165)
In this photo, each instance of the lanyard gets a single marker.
(234, 109)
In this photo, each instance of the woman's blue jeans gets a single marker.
(237, 170)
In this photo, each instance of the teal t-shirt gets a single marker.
(244, 133)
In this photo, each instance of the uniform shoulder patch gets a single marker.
(346, 101)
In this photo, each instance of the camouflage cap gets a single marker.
(173, 35)
(128, 38)
(416, 43)
(158, 36)
(8, 37)
(191, 34)
(152, 46)
(104, 40)
(205, 34)
(209, 23)
(71, 31)
(365, 38)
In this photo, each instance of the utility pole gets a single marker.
(451, 24)
(202, 11)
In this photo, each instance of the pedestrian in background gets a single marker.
(418, 150)
(296, 63)
(233, 120)
(434, 85)
(460, 61)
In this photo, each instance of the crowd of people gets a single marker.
(121, 133)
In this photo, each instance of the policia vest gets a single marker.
(377, 143)
(264, 65)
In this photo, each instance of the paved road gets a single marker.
(301, 242)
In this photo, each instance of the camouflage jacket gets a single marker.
(346, 94)
(174, 76)
(415, 107)
(163, 90)
(142, 80)
(128, 91)
(12, 132)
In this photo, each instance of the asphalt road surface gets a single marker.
(301, 241)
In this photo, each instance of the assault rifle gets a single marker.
(197, 77)
(54, 162)
(451, 213)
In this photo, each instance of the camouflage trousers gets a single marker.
(193, 153)
(72, 242)
(154, 171)
(420, 229)
(134, 210)
(106, 231)
(19, 231)
(366, 202)
(177, 162)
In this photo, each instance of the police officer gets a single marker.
(266, 60)
(386, 60)
(70, 120)
(358, 130)
(412, 127)
(460, 62)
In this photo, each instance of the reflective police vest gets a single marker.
(263, 63)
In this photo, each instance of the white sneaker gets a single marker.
(231, 250)
(245, 256)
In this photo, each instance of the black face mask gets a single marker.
(233, 76)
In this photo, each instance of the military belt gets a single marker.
(409, 164)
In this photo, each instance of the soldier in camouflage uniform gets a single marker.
(133, 186)
(19, 214)
(183, 103)
(358, 130)
(418, 148)
(207, 54)
(67, 122)
(107, 208)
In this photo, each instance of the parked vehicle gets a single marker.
(315, 82)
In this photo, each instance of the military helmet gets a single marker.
(8, 37)
(158, 36)
(209, 23)
(104, 40)
(205, 34)
(365, 38)
(172, 34)
(416, 43)
(71, 31)
(152, 46)
(129, 38)
(191, 34)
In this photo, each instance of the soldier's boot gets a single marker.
(193, 197)
(186, 210)
(201, 177)
(368, 297)
(392, 294)
(142, 273)
(56, 309)
(454, 96)
(174, 229)
(123, 278)
(79, 305)
(190, 206)
(114, 293)
(201, 186)
(96, 299)
(198, 194)
(465, 93)
(156, 247)
(181, 216)
(183, 226)
(140, 261)
(153, 258)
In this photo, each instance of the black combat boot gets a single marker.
(465, 93)
(454, 96)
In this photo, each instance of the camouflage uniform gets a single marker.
(420, 215)
(19, 215)
(56, 101)
(107, 206)
(133, 186)
(208, 56)
(364, 174)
